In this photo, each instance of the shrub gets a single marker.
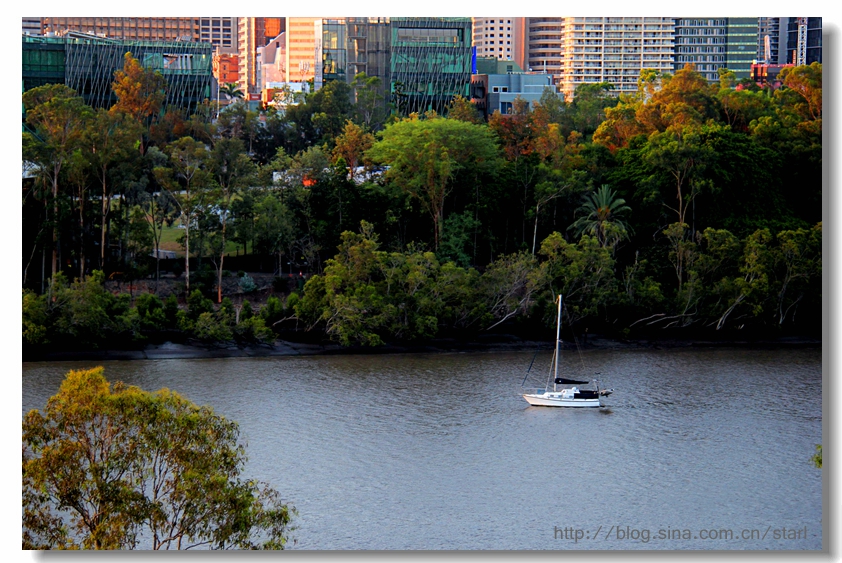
(246, 311)
(209, 329)
(253, 329)
(198, 304)
(247, 284)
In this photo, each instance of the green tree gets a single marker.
(602, 217)
(423, 155)
(805, 82)
(56, 118)
(462, 109)
(121, 468)
(587, 110)
(232, 170)
(188, 179)
(109, 140)
(582, 272)
(273, 227)
(369, 101)
(817, 457)
(231, 91)
(799, 258)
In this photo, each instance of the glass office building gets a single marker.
(87, 64)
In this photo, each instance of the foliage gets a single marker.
(817, 457)
(247, 284)
(725, 181)
(210, 329)
(583, 273)
(424, 154)
(121, 468)
(367, 294)
(601, 217)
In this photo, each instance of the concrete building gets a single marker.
(273, 61)
(219, 32)
(31, 26)
(615, 50)
(253, 34)
(129, 29)
(542, 46)
(497, 92)
(225, 68)
(495, 37)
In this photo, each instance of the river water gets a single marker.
(698, 449)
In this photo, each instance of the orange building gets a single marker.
(225, 68)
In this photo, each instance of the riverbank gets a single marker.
(493, 343)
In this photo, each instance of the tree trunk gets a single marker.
(103, 237)
(54, 269)
(221, 260)
(187, 255)
(82, 235)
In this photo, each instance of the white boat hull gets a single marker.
(558, 400)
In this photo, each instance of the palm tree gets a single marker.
(601, 213)
(231, 90)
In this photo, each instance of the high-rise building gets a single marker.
(615, 50)
(543, 46)
(31, 26)
(713, 43)
(140, 29)
(219, 32)
(495, 37)
(423, 63)
(253, 34)
(803, 40)
(87, 64)
(301, 48)
(702, 43)
(769, 40)
(740, 45)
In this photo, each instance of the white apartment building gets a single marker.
(495, 37)
(615, 50)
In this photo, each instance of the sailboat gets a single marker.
(565, 392)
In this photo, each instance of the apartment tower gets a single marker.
(252, 34)
(615, 50)
(495, 37)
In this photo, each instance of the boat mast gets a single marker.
(557, 341)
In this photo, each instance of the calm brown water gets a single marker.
(699, 449)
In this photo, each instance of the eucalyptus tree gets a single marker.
(117, 467)
(424, 155)
(56, 118)
(233, 170)
(140, 93)
(109, 141)
(187, 177)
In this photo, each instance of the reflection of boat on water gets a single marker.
(569, 395)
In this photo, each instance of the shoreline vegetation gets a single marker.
(687, 213)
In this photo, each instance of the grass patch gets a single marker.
(170, 236)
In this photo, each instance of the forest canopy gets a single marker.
(687, 205)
